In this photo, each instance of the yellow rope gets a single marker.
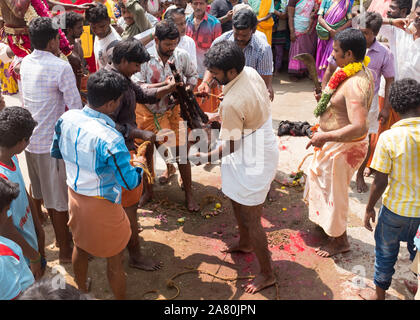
(141, 151)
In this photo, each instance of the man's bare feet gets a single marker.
(332, 247)
(192, 206)
(259, 283)
(237, 247)
(361, 184)
(169, 172)
(370, 294)
(272, 194)
(144, 263)
(367, 172)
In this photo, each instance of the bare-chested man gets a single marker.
(341, 145)
(16, 12)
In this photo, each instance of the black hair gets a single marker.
(72, 18)
(405, 4)
(131, 50)
(370, 20)
(97, 13)
(225, 55)
(46, 290)
(354, 40)
(244, 19)
(417, 4)
(104, 86)
(41, 31)
(9, 191)
(121, 4)
(166, 29)
(169, 14)
(16, 124)
(405, 95)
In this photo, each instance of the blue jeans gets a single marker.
(390, 230)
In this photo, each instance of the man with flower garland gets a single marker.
(341, 143)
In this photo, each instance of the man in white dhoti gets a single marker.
(248, 151)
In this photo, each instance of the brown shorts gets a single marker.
(99, 226)
(130, 198)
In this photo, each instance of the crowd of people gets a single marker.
(92, 118)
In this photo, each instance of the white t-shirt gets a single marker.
(187, 43)
(103, 48)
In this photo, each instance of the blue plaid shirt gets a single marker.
(97, 159)
(258, 54)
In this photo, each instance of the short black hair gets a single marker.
(45, 290)
(104, 86)
(370, 20)
(225, 55)
(354, 40)
(170, 13)
(405, 4)
(9, 191)
(131, 50)
(97, 13)
(41, 31)
(16, 124)
(72, 18)
(244, 19)
(405, 95)
(166, 29)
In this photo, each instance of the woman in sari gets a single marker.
(302, 34)
(333, 16)
(264, 9)
(280, 41)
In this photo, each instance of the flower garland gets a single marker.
(337, 78)
(42, 10)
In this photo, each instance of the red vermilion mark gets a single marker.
(355, 156)
(317, 213)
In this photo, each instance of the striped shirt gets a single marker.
(48, 87)
(208, 30)
(258, 54)
(96, 157)
(397, 154)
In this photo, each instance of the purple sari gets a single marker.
(334, 14)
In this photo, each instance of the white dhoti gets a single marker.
(373, 114)
(329, 176)
(248, 172)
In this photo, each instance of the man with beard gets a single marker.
(165, 115)
(248, 151)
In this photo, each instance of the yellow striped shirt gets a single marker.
(397, 154)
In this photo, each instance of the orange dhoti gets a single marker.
(130, 198)
(99, 226)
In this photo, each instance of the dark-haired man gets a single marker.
(48, 88)
(258, 54)
(128, 55)
(164, 115)
(223, 10)
(397, 166)
(248, 151)
(382, 65)
(341, 144)
(21, 225)
(106, 36)
(98, 166)
(134, 17)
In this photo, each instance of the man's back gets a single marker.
(48, 87)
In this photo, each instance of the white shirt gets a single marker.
(103, 48)
(48, 87)
(405, 50)
(187, 43)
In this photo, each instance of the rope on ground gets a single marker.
(171, 284)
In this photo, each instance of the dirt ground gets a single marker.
(196, 243)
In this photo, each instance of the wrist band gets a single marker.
(207, 83)
(36, 260)
(151, 36)
(390, 21)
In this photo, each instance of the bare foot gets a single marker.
(169, 172)
(144, 263)
(371, 294)
(192, 206)
(361, 184)
(332, 248)
(260, 282)
(272, 194)
(367, 172)
(238, 248)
